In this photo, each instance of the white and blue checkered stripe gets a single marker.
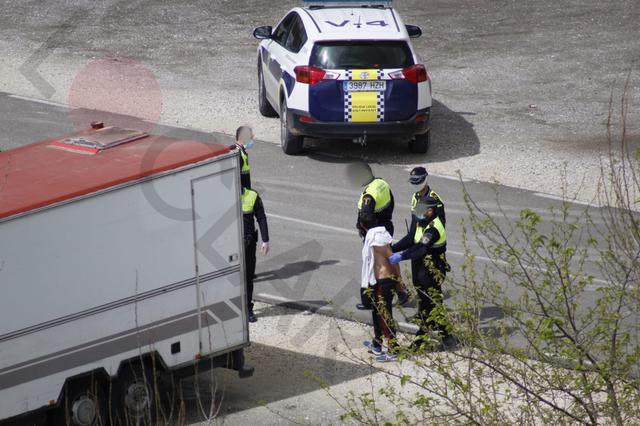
(348, 103)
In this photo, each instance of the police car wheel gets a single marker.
(263, 103)
(420, 143)
(291, 144)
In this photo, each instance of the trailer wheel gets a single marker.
(135, 396)
(84, 402)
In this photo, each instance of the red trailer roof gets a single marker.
(55, 170)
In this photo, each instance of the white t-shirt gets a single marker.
(376, 237)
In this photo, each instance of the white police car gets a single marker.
(344, 69)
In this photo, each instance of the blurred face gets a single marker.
(359, 174)
(424, 213)
(245, 135)
(418, 187)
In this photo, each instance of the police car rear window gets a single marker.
(361, 54)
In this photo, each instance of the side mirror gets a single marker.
(262, 33)
(414, 31)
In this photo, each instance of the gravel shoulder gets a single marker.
(521, 89)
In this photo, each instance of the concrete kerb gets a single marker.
(326, 310)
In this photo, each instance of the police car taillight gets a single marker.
(312, 75)
(415, 74)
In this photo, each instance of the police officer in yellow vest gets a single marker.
(252, 208)
(244, 141)
(418, 179)
(426, 244)
(376, 197)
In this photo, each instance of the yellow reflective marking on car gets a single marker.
(364, 107)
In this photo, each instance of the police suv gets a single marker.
(344, 69)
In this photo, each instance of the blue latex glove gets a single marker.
(395, 258)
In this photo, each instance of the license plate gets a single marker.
(365, 86)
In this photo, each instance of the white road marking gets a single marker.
(351, 231)
(558, 198)
(319, 225)
(453, 252)
(454, 207)
(409, 167)
(456, 178)
(40, 101)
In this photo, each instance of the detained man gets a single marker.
(376, 199)
(379, 279)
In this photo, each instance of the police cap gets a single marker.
(426, 202)
(418, 175)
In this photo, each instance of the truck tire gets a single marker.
(263, 103)
(84, 402)
(420, 143)
(135, 395)
(291, 144)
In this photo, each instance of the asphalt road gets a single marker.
(315, 256)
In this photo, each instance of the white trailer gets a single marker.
(121, 262)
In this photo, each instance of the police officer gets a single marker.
(426, 245)
(418, 179)
(252, 207)
(244, 141)
(376, 197)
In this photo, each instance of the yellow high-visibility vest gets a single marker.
(381, 193)
(245, 162)
(435, 223)
(433, 194)
(249, 198)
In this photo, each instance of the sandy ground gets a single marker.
(309, 367)
(521, 89)
(296, 354)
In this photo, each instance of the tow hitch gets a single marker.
(362, 140)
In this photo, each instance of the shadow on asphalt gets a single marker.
(293, 269)
(294, 308)
(452, 137)
(280, 374)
